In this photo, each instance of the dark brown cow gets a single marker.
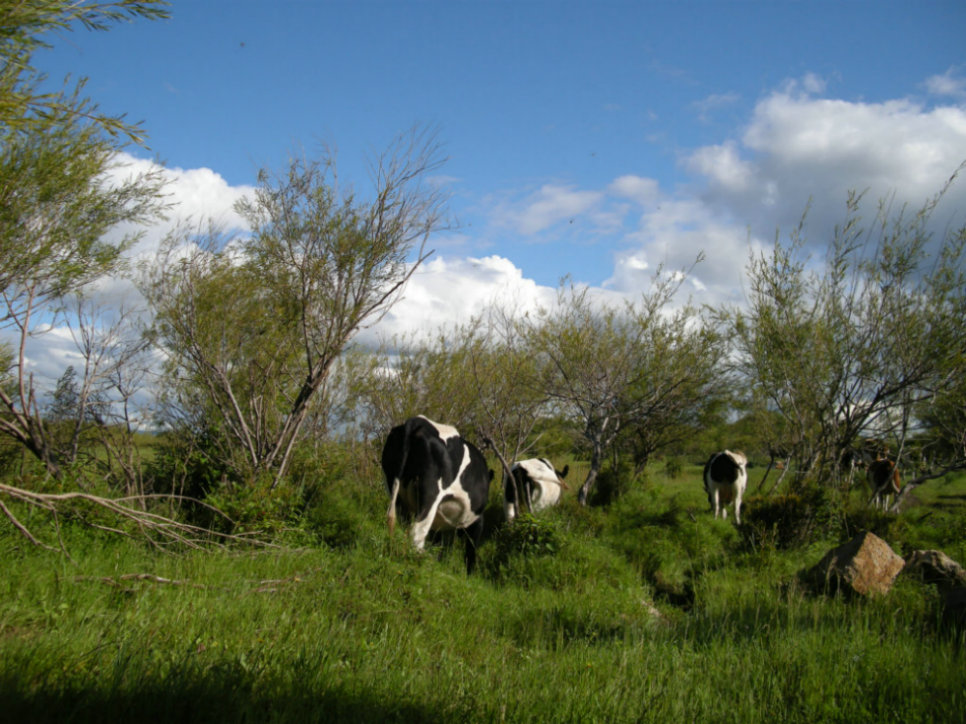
(884, 481)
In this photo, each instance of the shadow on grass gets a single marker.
(227, 700)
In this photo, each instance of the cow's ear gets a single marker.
(563, 473)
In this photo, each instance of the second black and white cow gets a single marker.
(725, 479)
(536, 480)
(436, 479)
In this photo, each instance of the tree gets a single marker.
(478, 377)
(57, 199)
(681, 384)
(609, 368)
(253, 328)
(852, 348)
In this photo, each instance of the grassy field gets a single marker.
(645, 610)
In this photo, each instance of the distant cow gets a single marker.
(438, 480)
(725, 479)
(884, 481)
(536, 480)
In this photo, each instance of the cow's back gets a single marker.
(883, 473)
(722, 468)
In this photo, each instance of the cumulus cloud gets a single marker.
(797, 150)
(190, 196)
(950, 84)
(672, 237)
(722, 166)
(448, 291)
(801, 150)
(644, 191)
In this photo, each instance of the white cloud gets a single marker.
(949, 84)
(813, 83)
(550, 205)
(645, 191)
(191, 196)
(673, 236)
(448, 291)
(707, 106)
(722, 166)
(798, 148)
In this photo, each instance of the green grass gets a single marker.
(369, 631)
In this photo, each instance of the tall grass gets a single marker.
(366, 630)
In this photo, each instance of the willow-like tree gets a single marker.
(252, 328)
(634, 369)
(58, 196)
(862, 344)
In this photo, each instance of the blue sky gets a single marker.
(596, 139)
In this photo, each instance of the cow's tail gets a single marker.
(391, 515)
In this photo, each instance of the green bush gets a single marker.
(612, 482)
(526, 536)
(791, 520)
(673, 467)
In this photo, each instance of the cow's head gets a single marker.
(561, 474)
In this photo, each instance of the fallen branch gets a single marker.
(157, 529)
(916, 482)
(271, 585)
(115, 582)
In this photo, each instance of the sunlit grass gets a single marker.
(374, 632)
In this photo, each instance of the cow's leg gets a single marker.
(423, 525)
(473, 534)
(738, 506)
(880, 498)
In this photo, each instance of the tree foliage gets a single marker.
(24, 106)
(61, 192)
(640, 370)
(854, 346)
(253, 328)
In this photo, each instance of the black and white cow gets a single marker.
(535, 478)
(725, 479)
(436, 479)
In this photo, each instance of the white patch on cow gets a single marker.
(445, 431)
(452, 507)
(545, 488)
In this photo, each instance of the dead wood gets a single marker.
(158, 530)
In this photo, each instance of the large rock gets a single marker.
(866, 565)
(935, 567)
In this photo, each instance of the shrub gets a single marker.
(792, 520)
(613, 481)
(673, 467)
(526, 536)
